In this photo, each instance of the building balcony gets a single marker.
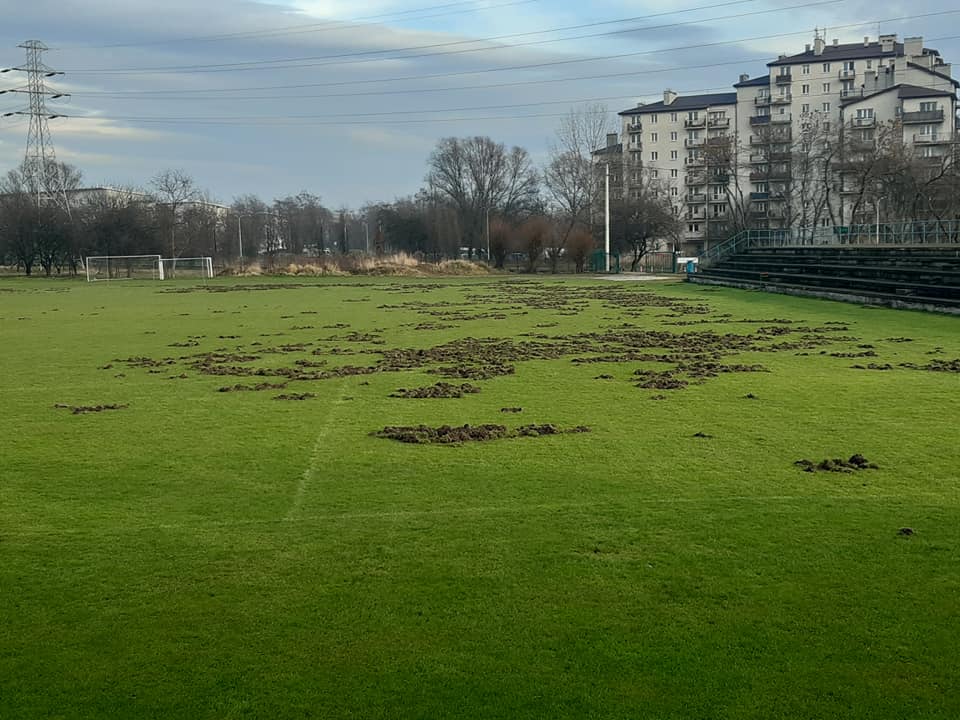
(760, 174)
(758, 141)
(782, 99)
(932, 159)
(721, 179)
(758, 214)
(760, 120)
(863, 122)
(783, 79)
(759, 159)
(698, 123)
(932, 139)
(759, 196)
(780, 157)
(926, 116)
(723, 122)
(693, 142)
(781, 119)
(694, 162)
(698, 199)
(761, 100)
(847, 74)
(635, 148)
(718, 141)
(700, 214)
(635, 127)
(857, 145)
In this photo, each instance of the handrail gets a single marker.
(904, 232)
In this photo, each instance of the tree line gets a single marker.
(480, 199)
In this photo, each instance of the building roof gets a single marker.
(934, 72)
(844, 51)
(685, 102)
(762, 81)
(610, 150)
(903, 92)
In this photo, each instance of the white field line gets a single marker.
(306, 477)
(915, 501)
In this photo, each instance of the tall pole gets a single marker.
(606, 229)
(488, 233)
(366, 235)
(240, 238)
(876, 205)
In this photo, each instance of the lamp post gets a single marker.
(876, 204)
(488, 234)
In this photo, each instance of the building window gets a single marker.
(806, 108)
(826, 67)
(869, 64)
(673, 135)
(654, 137)
(673, 117)
(674, 173)
(635, 176)
(673, 154)
(826, 87)
(826, 107)
(805, 89)
(864, 112)
(653, 118)
(928, 106)
(693, 227)
(806, 70)
(674, 191)
(849, 65)
(654, 173)
(653, 155)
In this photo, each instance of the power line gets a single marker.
(541, 65)
(228, 67)
(326, 26)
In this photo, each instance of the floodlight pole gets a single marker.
(240, 238)
(606, 231)
(488, 233)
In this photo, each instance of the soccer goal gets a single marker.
(197, 267)
(124, 267)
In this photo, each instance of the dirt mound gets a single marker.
(449, 435)
(468, 372)
(948, 366)
(84, 409)
(253, 388)
(295, 396)
(855, 463)
(511, 410)
(438, 390)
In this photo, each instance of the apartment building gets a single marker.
(669, 146)
(849, 88)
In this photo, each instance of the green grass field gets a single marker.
(205, 554)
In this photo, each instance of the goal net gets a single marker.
(184, 268)
(124, 267)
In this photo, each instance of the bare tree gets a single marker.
(501, 235)
(174, 188)
(477, 175)
(580, 244)
(642, 217)
(570, 177)
(533, 236)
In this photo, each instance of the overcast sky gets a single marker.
(346, 98)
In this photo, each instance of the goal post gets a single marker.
(195, 267)
(123, 267)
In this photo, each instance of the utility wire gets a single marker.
(250, 64)
(326, 26)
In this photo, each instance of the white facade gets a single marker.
(828, 86)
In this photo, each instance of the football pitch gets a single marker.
(257, 498)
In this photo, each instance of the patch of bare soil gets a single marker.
(449, 435)
(84, 409)
(473, 372)
(947, 366)
(295, 396)
(438, 390)
(253, 388)
(897, 339)
(855, 463)
(511, 410)
(873, 366)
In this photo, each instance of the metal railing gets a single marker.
(905, 232)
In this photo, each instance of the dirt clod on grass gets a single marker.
(438, 390)
(855, 463)
(703, 435)
(750, 396)
(905, 532)
(84, 409)
(253, 388)
(449, 435)
(511, 410)
(295, 396)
